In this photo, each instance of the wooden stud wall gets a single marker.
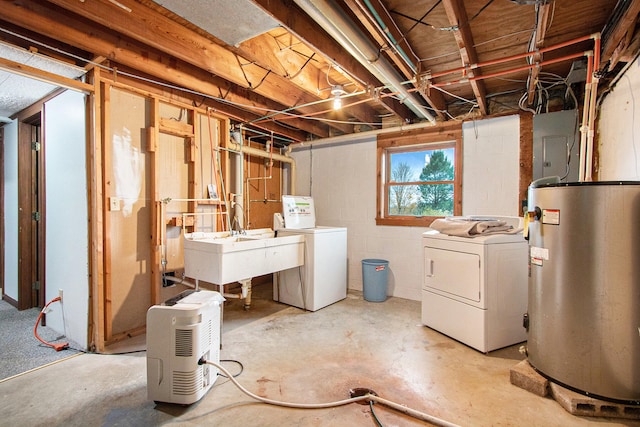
(103, 331)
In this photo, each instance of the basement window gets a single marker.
(419, 176)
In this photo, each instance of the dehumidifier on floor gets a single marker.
(180, 332)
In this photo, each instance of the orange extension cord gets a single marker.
(58, 346)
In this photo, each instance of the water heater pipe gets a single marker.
(592, 111)
(584, 128)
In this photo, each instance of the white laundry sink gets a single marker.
(221, 258)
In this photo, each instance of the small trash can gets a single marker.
(375, 274)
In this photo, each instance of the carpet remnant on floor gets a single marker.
(21, 350)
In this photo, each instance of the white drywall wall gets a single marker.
(619, 129)
(67, 225)
(10, 218)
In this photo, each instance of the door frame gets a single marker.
(31, 197)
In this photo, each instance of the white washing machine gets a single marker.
(475, 289)
(322, 280)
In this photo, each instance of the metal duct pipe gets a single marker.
(335, 22)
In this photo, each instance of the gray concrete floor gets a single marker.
(298, 356)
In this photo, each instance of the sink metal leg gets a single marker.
(221, 291)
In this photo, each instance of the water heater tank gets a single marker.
(584, 287)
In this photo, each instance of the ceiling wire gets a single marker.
(477, 44)
(194, 92)
(404, 36)
(451, 28)
(479, 12)
(419, 21)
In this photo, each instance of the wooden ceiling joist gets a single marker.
(538, 42)
(51, 22)
(300, 24)
(459, 21)
(180, 42)
(400, 54)
(44, 76)
(626, 24)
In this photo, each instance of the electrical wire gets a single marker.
(373, 414)
(190, 91)
(55, 346)
(366, 397)
(233, 361)
(570, 148)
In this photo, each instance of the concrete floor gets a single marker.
(298, 356)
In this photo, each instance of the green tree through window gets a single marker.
(421, 183)
(419, 175)
(436, 198)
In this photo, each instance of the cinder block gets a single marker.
(524, 376)
(578, 404)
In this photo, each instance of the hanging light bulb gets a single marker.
(337, 102)
(337, 91)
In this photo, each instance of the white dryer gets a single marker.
(475, 289)
(322, 280)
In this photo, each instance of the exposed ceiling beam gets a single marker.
(341, 27)
(395, 46)
(220, 88)
(386, 34)
(458, 19)
(300, 24)
(44, 76)
(53, 23)
(300, 72)
(175, 40)
(626, 24)
(538, 42)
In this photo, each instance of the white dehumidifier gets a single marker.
(180, 332)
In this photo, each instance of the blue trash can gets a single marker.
(375, 274)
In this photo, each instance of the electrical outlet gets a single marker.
(60, 293)
(114, 204)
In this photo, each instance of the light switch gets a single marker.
(114, 204)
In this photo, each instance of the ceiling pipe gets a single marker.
(356, 137)
(335, 22)
(386, 33)
(527, 54)
(514, 70)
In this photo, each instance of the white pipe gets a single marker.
(591, 130)
(335, 22)
(584, 128)
(358, 137)
(238, 186)
(260, 153)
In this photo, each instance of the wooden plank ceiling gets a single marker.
(392, 61)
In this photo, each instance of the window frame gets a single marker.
(448, 135)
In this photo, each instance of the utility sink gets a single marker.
(222, 258)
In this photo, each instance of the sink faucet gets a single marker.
(236, 228)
